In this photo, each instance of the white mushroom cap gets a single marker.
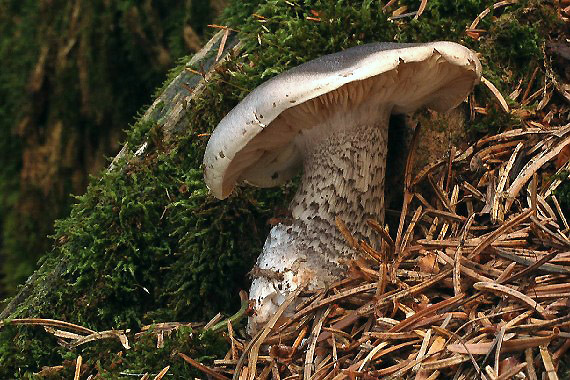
(257, 141)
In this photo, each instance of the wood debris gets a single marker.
(475, 285)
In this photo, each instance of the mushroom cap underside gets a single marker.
(255, 141)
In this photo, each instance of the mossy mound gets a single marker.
(146, 243)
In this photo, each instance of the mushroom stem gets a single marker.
(344, 170)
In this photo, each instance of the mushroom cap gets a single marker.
(255, 141)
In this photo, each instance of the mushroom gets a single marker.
(329, 116)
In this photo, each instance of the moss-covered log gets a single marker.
(146, 243)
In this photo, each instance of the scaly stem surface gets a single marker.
(344, 170)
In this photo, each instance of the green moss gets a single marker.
(145, 357)
(20, 363)
(515, 42)
(146, 243)
(510, 53)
